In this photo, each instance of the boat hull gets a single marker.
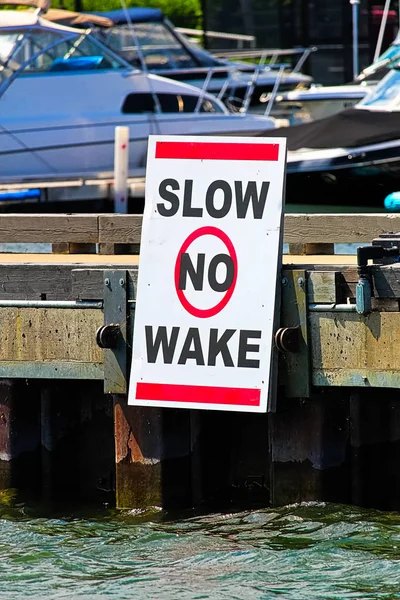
(52, 153)
(70, 132)
(365, 183)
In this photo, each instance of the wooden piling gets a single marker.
(157, 457)
(138, 455)
(19, 435)
(77, 442)
(308, 450)
(7, 422)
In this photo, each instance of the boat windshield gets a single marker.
(36, 49)
(159, 46)
(386, 95)
(390, 54)
(380, 67)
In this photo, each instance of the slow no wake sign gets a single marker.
(209, 256)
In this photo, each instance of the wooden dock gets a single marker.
(335, 431)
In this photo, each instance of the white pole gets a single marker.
(121, 161)
(382, 30)
(355, 4)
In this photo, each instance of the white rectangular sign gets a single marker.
(209, 255)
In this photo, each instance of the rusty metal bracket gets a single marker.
(295, 366)
(113, 335)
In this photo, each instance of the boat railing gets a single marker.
(298, 66)
(204, 90)
(262, 65)
(231, 101)
(274, 53)
(274, 92)
(229, 85)
(237, 37)
(246, 101)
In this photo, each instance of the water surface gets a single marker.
(297, 552)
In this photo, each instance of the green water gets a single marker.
(298, 552)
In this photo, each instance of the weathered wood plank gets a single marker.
(88, 284)
(338, 228)
(322, 286)
(107, 248)
(299, 228)
(126, 229)
(48, 228)
(35, 282)
(85, 282)
(120, 229)
(52, 281)
(386, 280)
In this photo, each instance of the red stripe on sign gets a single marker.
(198, 394)
(217, 151)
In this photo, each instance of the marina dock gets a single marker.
(66, 329)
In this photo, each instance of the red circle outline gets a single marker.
(214, 310)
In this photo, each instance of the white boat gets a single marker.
(351, 158)
(319, 102)
(62, 93)
(148, 40)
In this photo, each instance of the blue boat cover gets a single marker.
(136, 15)
(80, 63)
(20, 195)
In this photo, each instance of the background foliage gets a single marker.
(183, 13)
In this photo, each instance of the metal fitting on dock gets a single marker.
(50, 304)
(107, 336)
(364, 285)
(332, 307)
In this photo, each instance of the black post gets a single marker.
(304, 23)
(347, 20)
(204, 21)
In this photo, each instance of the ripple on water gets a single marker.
(307, 551)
